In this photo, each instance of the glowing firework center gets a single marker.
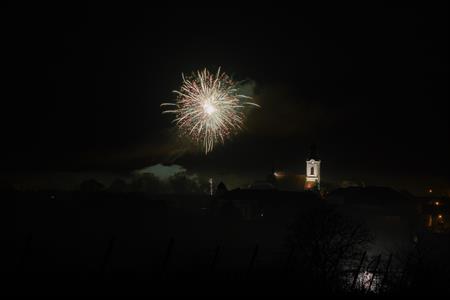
(209, 108)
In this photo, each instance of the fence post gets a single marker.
(386, 272)
(167, 257)
(405, 270)
(215, 258)
(374, 273)
(252, 261)
(358, 270)
(107, 256)
(26, 253)
(289, 259)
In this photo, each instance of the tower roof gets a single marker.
(313, 153)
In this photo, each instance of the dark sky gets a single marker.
(367, 84)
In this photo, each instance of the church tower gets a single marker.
(312, 171)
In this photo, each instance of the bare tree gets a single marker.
(324, 242)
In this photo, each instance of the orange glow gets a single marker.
(430, 221)
(436, 203)
(430, 191)
(309, 185)
(278, 174)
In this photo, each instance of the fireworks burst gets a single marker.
(209, 108)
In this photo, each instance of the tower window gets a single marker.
(312, 170)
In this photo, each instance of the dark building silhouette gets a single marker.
(221, 189)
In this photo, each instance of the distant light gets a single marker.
(430, 191)
(211, 187)
(439, 216)
(262, 214)
(436, 203)
(278, 174)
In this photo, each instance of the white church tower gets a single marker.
(312, 171)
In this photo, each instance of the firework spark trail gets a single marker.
(209, 108)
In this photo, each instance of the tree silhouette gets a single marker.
(180, 183)
(147, 183)
(325, 242)
(118, 186)
(91, 185)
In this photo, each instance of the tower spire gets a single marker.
(312, 170)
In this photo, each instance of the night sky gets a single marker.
(367, 84)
